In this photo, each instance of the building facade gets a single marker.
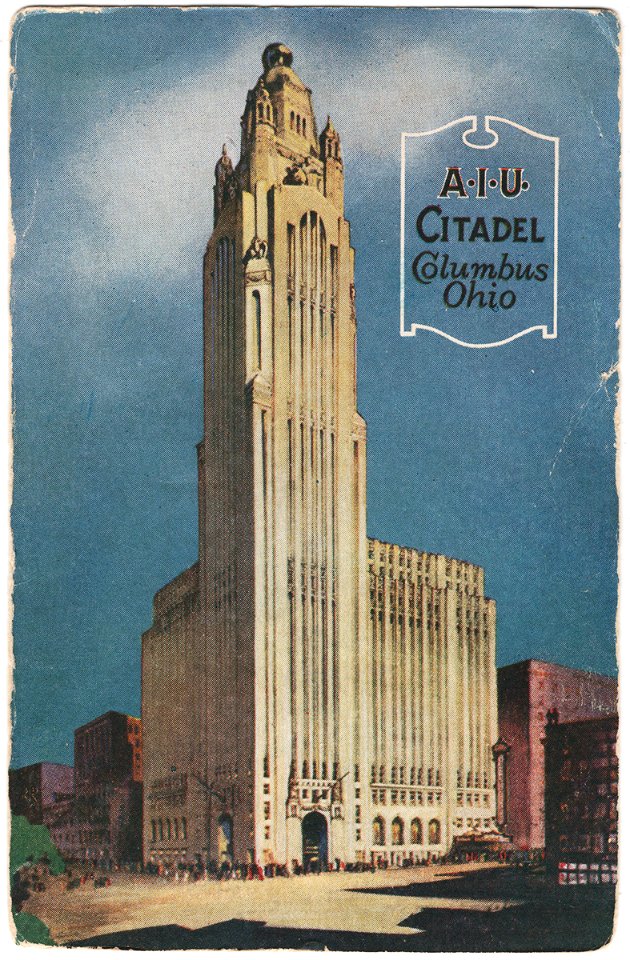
(36, 791)
(526, 692)
(581, 818)
(94, 810)
(101, 822)
(106, 821)
(307, 694)
(108, 749)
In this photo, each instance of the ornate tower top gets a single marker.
(276, 55)
(279, 139)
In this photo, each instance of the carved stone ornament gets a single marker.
(257, 250)
(296, 176)
(224, 167)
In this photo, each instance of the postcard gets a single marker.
(315, 355)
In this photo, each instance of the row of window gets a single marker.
(265, 112)
(398, 830)
(407, 797)
(432, 622)
(82, 837)
(385, 552)
(94, 742)
(313, 252)
(297, 123)
(401, 775)
(169, 829)
(598, 843)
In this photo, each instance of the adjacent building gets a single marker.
(94, 811)
(581, 779)
(307, 693)
(105, 823)
(526, 692)
(107, 750)
(37, 791)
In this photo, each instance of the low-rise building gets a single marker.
(36, 791)
(526, 692)
(106, 821)
(581, 773)
(102, 828)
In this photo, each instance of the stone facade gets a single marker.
(307, 694)
(526, 692)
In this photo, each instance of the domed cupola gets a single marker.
(276, 55)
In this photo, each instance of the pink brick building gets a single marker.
(526, 691)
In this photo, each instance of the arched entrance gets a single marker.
(225, 835)
(314, 842)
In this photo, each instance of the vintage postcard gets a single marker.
(315, 339)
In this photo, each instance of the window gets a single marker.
(184, 828)
(434, 832)
(416, 830)
(398, 832)
(258, 328)
(153, 830)
(291, 249)
(378, 832)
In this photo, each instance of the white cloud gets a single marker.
(143, 177)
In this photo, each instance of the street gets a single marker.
(452, 907)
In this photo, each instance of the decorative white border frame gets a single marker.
(472, 119)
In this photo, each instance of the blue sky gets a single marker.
(503, 457)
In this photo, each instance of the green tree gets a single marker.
(30, 844)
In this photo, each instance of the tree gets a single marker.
(30, 845)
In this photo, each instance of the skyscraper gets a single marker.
(307, 694)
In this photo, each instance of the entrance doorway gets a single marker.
(225, 839)
(314, 842)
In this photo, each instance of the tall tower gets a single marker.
(307, 694)
(283, 549)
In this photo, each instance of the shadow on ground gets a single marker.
(549, 918)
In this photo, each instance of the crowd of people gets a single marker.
(193, 871)
(99, 873)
